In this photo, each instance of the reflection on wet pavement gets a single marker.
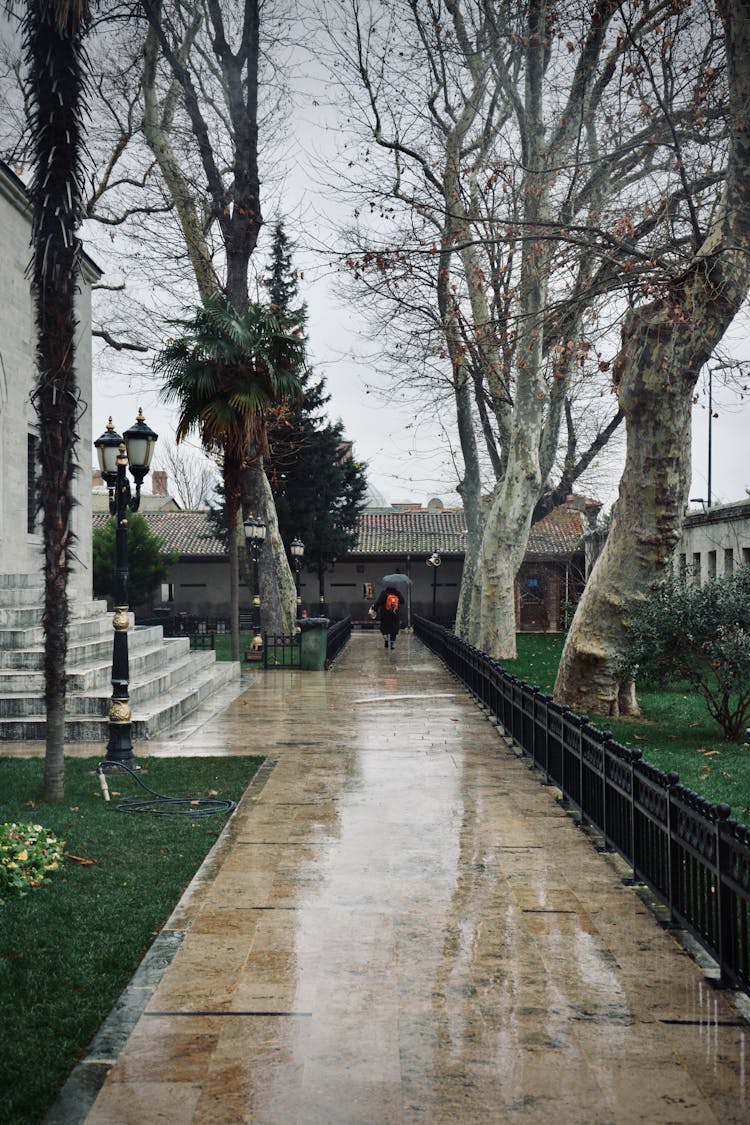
(407, 927)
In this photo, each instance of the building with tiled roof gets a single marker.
(407, 539)
(422, 532)
(189, 533)
(404, 539)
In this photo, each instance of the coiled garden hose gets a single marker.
(159, 805)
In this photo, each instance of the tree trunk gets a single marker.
(664, 346)
(655, 395)
(278, 593)
(470, 492)
(492, 625)
(54, 51)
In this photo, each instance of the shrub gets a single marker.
(700, 635)
(28, 855)
(148, 562)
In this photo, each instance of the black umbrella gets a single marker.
(400, 582)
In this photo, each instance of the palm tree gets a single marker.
(53, 46)
(225, 371)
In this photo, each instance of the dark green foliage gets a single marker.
(68, 948)
(699, 635)
(318, 488)
(225, 369)
(148, 563)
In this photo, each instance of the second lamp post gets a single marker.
(297, 550)
(255, 534)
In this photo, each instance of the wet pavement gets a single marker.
(402, 924)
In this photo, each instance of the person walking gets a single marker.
(388, 605)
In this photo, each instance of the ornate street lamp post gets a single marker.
(297, 550)
(434, 561)
(255, 534)
(133, 450)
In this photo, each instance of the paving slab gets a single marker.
(401, 924)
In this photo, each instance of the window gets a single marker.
(683, 567)
(746, 556)
(712, 564)
(32, 484)
(729, 561)
(697, 567)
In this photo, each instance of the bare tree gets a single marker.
(548, 172)
(192, 475)
(182, 91)
(201, 85)
(664, 344)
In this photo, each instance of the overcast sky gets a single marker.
(408, 457)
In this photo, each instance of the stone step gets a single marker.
(25, 584)
(167, 681)
(152, 669)
(161, 678)
(88, 650)
(142, 661)
(155, 717)
(30, 634)
(13, 596)
(82, 619)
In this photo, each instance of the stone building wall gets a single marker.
(20, 541)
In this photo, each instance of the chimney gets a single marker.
(97, 480)
(159, 483)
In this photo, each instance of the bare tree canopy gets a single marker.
(525, 174)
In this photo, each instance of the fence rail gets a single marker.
(691, 853)
(339, 633)
(280, 650)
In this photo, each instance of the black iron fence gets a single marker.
(339, 633)
(280, 650)
(193, 625)
(691, 853)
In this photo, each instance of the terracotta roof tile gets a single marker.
(378, 533)
(190, 533)
(559, 533)
(393, 533)
(397, 533)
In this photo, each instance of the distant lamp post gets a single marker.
(255, 534)
(133, 450)
(297, 550)
(434, 561)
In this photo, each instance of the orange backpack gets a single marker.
(391, 603)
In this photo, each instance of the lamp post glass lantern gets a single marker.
(133, 450)
(255, 534)
(297, 550)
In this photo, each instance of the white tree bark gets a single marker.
(664, 346)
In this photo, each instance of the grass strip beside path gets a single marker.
(674, 731)
(69, 948)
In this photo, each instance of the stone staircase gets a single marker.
(168, 681)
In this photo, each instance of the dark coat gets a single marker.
(390, 621)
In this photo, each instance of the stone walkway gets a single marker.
(401, 924)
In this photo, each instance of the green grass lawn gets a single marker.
(68, 948)
(674, 731)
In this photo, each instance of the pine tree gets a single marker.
(318, 488)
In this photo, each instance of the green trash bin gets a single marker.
(313, 643)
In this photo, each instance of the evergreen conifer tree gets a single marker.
(318, 487)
